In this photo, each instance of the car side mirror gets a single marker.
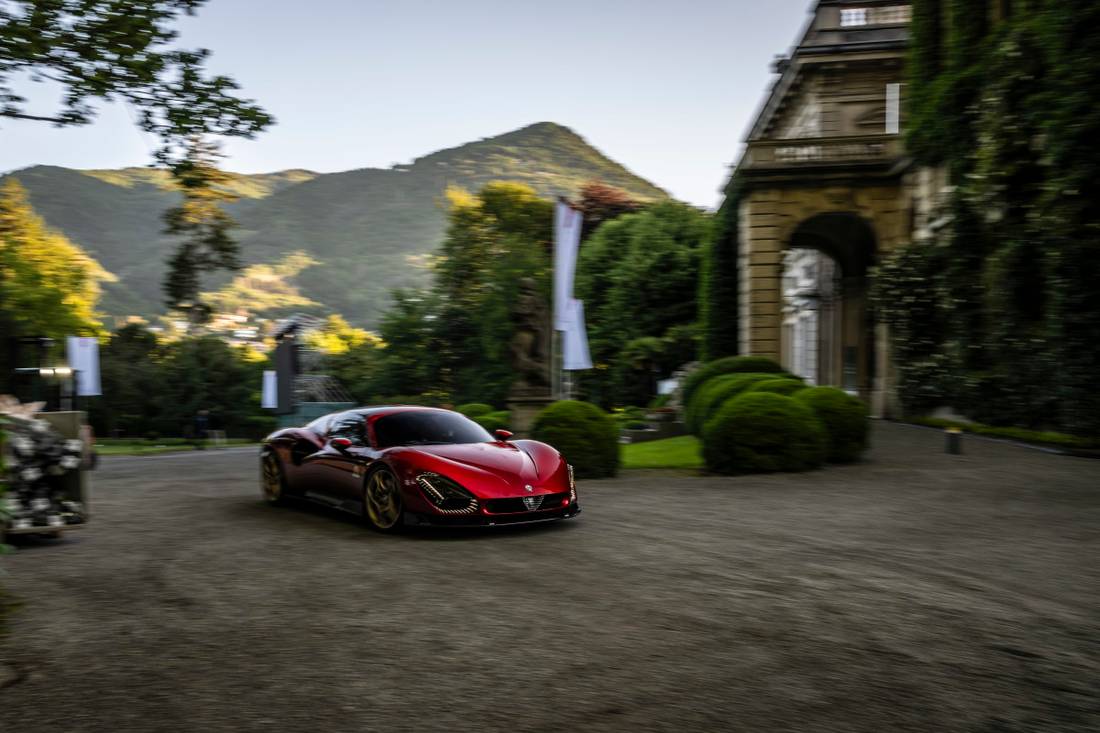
(502, 434)
(340, 444)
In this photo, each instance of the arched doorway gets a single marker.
(827, 332)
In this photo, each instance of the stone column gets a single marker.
(761, 274)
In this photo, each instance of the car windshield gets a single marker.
(427, 428)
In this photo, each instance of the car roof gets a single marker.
(388, 409)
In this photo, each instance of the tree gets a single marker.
(130, 373)
(337, 336)
(494, 239)
(48, 286)
(118, 50)
(637, 276)
(204, 226)
(600, 203)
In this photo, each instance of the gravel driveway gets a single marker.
(915, 592)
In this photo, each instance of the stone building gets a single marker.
(826, 178)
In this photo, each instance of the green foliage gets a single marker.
(337, 336)
(779, 386)
(474, 409)
(761, 432)
(371, 231)
(266, 289)
(586, 435)
(712, 394)
(727, 365)
(48, 286)
(118, 50)
(629, 418)
(718, 280)
(845, 420)
(153, 388)
(637, 277)
(493, 421)
(202, 224)
(681, 453)
(1041, 437)
(1003, 315)
(496, 239)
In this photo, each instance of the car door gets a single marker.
(339, 472)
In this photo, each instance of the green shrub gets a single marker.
(709, 397)
(586, 435)
(844, 418)
(492, 421)
(659, 401)
(728, 365)
(474, 409)
(761, 432)
(779, 386)
(625, 416)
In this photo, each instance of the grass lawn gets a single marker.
(683, 452)
(126, 447)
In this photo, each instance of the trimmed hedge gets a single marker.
(779, 386)
(763, 432)
(586, 435)
(729, 365)
(844, 418)
(712, 395)
(494, 420)
(474, 409)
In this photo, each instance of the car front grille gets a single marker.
(515, 505)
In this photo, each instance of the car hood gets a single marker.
(490, 469)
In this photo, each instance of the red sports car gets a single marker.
(400, 466)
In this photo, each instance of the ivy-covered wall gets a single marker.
(1000, 315)
(718, 281)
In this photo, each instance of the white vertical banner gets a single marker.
(269, 398)
(893, 109)
(567, 238)
(83, 352)
(575, 356)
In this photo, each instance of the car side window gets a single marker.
(319, 426)
(348, 426)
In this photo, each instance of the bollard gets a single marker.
(954, 441)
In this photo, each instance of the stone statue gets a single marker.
(530, 342)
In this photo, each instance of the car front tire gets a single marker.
(272, 480)
(382, 505)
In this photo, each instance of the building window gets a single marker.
(883, 15)
(890, 15)
(853, 16)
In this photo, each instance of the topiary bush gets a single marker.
(844, 418)
(728, 365)
(763, 432)
(494, 420)
(474, 409)
(787, 386)
(586, 435)
(712, 395)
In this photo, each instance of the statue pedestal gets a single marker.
(524, 409)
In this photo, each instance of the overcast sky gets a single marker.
(665, 88)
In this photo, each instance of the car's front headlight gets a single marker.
(447, 496)
(572, 484)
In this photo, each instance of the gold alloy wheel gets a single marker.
(383, 499)
(271, 480)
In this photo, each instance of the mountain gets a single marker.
(369, 230)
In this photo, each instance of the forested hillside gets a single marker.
(369, 230)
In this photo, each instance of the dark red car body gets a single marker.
(507, 481)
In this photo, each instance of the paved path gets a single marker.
(915, 592)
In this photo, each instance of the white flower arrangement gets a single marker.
(38, 458)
